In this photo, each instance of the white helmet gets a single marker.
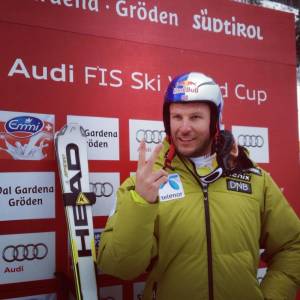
(194, 86)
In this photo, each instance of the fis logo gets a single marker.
(24, 126)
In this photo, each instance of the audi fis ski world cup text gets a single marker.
(62, 73)
(102, 77)
(148, 11)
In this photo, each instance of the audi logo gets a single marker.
(104, 189)
(150, 136)
(24, 252)
(248, 140)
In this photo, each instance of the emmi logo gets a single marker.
(239, 186)
(79, 211)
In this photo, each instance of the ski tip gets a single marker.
(61, 131)
(68, 133)
(70, 127)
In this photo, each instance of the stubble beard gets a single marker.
(203, 149)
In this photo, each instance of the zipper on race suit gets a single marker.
(154, 290)
(204, 187)
(208, 242)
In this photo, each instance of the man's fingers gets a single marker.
(154, 155)
(145, 169)
(142, 155)
(163, 179)
(158, 174)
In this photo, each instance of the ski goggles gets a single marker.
(212, 176)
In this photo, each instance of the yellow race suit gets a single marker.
(206, 244)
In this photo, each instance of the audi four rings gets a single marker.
(24, 252)
(104, 189)
(150, 136)
(248, 140)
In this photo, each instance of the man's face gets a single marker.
(190, 128)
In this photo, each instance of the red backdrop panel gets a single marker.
(111, 69)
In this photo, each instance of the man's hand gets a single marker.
(147, 180)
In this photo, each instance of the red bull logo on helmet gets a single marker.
(185, 86)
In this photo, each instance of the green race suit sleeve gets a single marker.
(128, 242)
(281, 240)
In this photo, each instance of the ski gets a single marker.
(71, 153)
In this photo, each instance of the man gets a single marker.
(198, 212)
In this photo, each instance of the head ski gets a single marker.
(71, 152)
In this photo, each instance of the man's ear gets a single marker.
(225, 146)
(234, 150)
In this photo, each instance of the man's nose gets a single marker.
(185, 126)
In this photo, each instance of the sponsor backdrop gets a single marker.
(85, 61)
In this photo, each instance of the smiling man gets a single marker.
(190, 128)
(198, 212)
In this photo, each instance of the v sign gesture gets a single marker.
(148, 181)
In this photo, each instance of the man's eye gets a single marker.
(176, 117)
(196, 117)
